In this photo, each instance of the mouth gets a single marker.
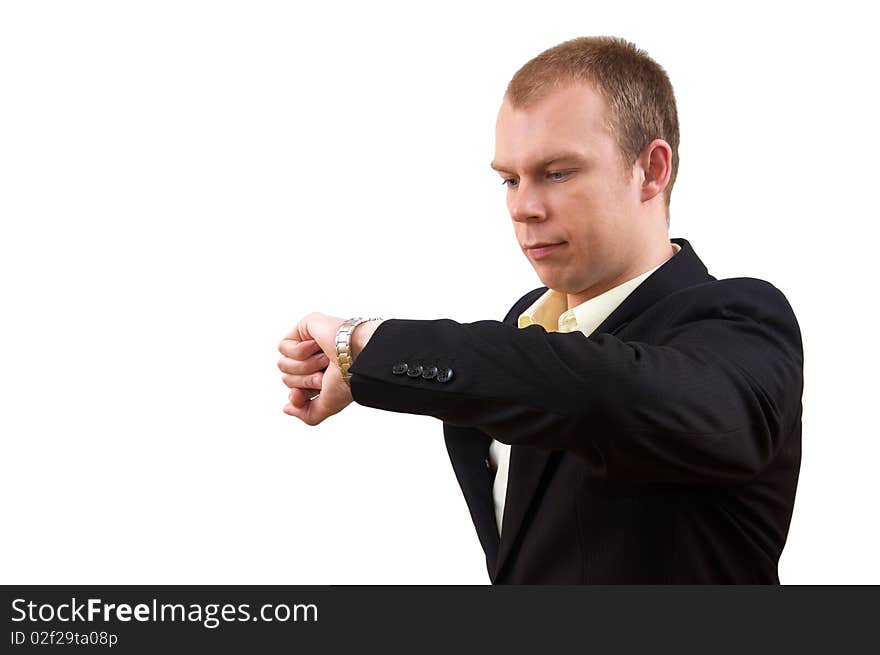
(539, 250)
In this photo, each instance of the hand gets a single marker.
(309, 365)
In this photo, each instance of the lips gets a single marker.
(543, 249)
(541, 244)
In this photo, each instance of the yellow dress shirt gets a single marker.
(551, 311)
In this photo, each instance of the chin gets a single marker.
(549, 281)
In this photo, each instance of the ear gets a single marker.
(655, 167)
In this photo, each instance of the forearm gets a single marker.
(680, 410)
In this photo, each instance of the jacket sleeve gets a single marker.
(710, 399)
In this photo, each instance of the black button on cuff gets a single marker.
(429, 372)
(444, 375)
(414, 371)
(399, 368)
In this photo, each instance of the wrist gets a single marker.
(361, 336)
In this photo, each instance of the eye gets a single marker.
(510, 181)
(556, 176)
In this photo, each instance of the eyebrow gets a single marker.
(560, 156)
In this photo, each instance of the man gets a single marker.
(634, 420)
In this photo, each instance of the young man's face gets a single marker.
(583, 200)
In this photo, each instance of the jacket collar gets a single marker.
(683, 270)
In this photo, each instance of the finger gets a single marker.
(305, 364)
(317, 362)
(298, 349)
(290, 342)
(299, 397)
(293, 410)
(302, 412)
(300, 330)
(307, 405)
(311, 381)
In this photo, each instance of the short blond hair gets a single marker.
(638, 93)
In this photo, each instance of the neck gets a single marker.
(649, 259)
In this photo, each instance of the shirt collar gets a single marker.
(550, 309)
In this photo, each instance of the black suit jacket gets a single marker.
(663, 448)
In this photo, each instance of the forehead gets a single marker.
(571, 118)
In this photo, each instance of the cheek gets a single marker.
(581, 207)
(590, 221)
(602, 198)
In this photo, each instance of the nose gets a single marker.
(526, 203)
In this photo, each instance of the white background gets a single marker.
(181, 182)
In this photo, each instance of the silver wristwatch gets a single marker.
(343, 349)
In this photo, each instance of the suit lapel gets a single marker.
(525, 470)
(528, 465)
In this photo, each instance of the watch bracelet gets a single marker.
(343, 344)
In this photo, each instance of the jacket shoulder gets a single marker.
(739, 298)
(748, 291)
